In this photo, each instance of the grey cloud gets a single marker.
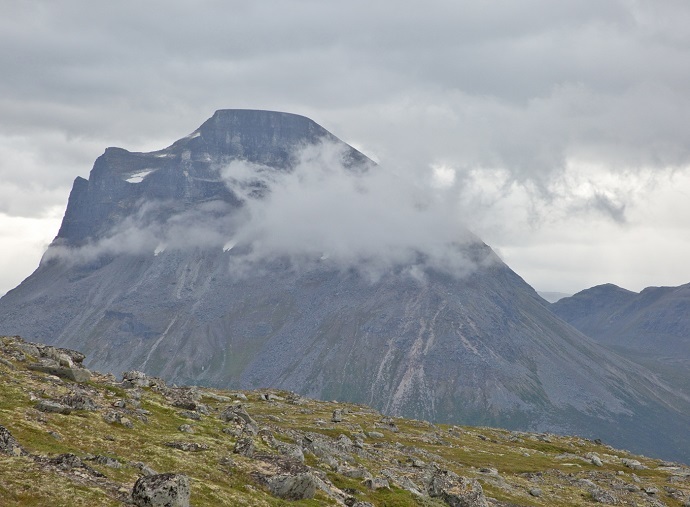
(606, 205)
(322, 211)
(530, 88)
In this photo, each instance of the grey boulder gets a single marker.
(163, 490)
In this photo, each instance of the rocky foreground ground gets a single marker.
(73, 437)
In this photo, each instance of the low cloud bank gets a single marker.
(369, 218)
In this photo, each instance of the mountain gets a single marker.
(109, 442)
(654, 321)
(651, 327)
(192, 263)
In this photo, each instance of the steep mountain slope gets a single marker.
(157, 267)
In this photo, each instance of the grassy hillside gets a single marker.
(117, 431)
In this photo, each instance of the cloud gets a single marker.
(154, 227)
(367, 218)
(481, 89)
(23, 242)
(378, 218)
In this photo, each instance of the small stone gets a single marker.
(50, 406)
(187, 446)
(355, 473)
(227, 461)
(602, 496)
(188, 414)
(633, 463)
(75, 374)
(79, 401)
(106, 461)
(237, 413)
(185, 428)
(337, 415)
(144, 468)
(536, 492)
(115, 417)
(134, 379)
(244, 446)
(7, 363)
(8, 444)
(375, 483)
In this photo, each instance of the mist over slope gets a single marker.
(261, 251)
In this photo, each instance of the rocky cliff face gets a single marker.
(142, 276)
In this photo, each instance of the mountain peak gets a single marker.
(263, 137)
(188, 171)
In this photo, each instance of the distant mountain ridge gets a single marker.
(140, 277)
(651, 328)
(656, 320)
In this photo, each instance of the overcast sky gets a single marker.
(564, 124)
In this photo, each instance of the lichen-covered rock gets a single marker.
(290, 450)
(163, 490)
(78, 401)
(244, 447)
(29, 349)
(106, 461)
(133, 378)
(293, 487)
(8, 444)
(455, 490)
(52, 367)
(189, 414)
(69, 461)
(144, 468)
(53, 407)
(601, 495)
(375, 483)
(633, 463)
(187, 446)
(116, 417)
(237, 413)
